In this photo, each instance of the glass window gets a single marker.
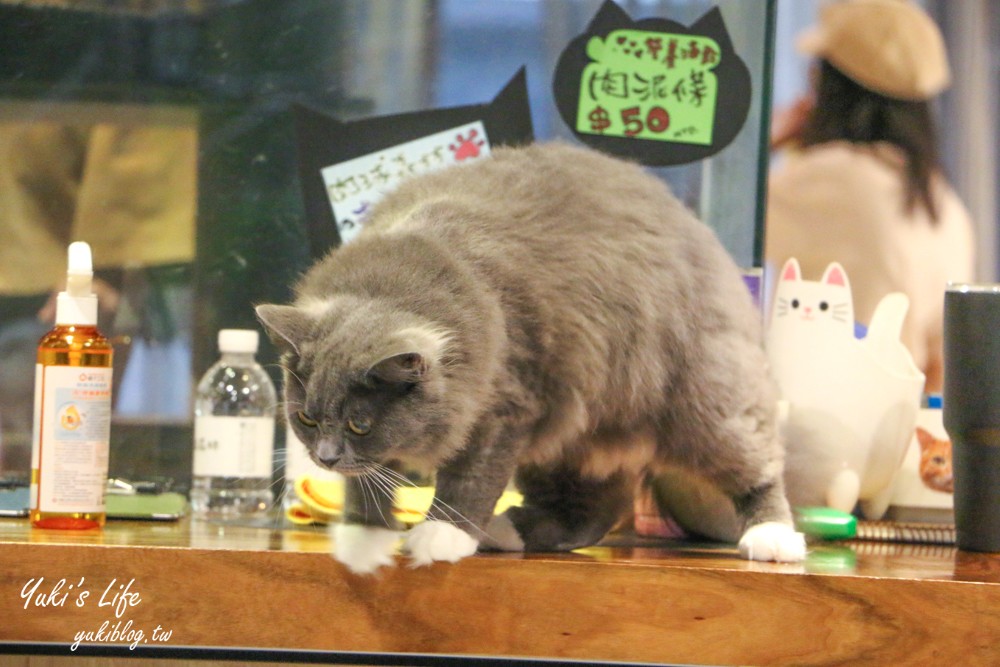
(160, 132)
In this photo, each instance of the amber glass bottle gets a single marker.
(70, 443)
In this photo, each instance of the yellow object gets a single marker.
(322, 501)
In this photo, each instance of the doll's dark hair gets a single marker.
(846, 111)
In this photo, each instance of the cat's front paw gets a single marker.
(773, 541)
(364, 549)
(438, 540)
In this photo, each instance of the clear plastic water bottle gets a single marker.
(234, 412)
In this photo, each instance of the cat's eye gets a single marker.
(306, 420)
(823, 305)
(359, 426)
(795, 303)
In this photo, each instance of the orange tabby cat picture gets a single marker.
(935, 462)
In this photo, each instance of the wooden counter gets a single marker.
(626, 600)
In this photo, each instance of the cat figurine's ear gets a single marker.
(835, 275)
(406, 368)
(287, 326)
(791, 270)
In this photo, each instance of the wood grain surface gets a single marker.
(628, 599)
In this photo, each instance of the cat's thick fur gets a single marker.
(548, 314)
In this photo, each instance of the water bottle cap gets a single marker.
(238, 340)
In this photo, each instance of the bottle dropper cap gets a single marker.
(78, 304)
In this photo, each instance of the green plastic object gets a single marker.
(167, 506)
(825, 523)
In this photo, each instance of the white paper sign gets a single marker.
(354, 186)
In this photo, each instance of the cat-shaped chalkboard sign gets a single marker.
(342, 160)
(653, 90)
(851, 403)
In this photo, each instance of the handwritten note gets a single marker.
(650, 85)
(353, 187)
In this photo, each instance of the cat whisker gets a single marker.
(386, 488)
(445, 513)
(295, 375)
(275, 407)
(368, 492)
(379, 486)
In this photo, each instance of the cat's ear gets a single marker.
(791, 270)
(287, 326)
(924, 438)
(409, 354)
(835, 275)
(406, 368)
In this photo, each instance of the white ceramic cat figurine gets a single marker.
(850, 404)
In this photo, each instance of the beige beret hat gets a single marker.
(891, 47)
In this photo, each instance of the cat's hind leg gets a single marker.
(768, 531)
(575, 500)
(773, 541)
(769, 534)
(562, 510)
(722, 425)
(701, 507)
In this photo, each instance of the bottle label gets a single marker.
(233, 446)
(70, 446)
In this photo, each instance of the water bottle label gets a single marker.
(71, 433)
(233, 446)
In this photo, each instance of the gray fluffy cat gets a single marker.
(549, 315)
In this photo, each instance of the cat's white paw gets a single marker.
(773, 541)
(364, 549)
(439, 540)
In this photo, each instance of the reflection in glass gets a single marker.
(160, 132)
(129, 189)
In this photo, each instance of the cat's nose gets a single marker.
(328, 452)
